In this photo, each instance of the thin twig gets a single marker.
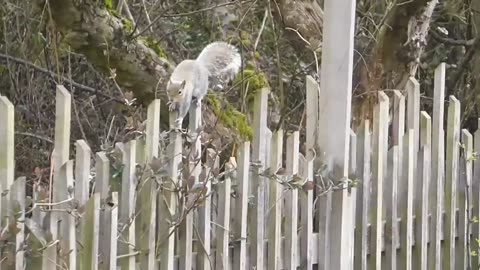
(183, 14)
(55, 75)
(261, 30)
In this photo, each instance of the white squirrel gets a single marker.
(218, 62)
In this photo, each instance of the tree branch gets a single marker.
(61, 78)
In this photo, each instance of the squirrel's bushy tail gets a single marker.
(221, 59)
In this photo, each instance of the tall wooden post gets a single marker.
(334, 119)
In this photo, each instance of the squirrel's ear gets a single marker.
(182, 85)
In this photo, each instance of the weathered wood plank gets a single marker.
(222, 255)
(127, 206)
(62, 195)
(167, 199)
(275, 204)
(102, 181)
(363, 197)
(391, 225)
(451, 178)
(205, 213)
(7, 165)
(60, 155)
(17, 206)
(398, 121)
(194, 165)
(406, 205)
(241, 201)
(413, 115)
(82, 184)
(146, 205)
(421, 209)
(257, 233)
(476, 198)
(82, 171)
(335, 113)
(312, 102)
(380, 116)
(88, 254)
(291, 203)
(464, 201)
(113, 233)
(437, 162)
(7, 161)
(353, 176)
(421, 198)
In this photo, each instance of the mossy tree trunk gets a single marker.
(90, 28)
(386, 60)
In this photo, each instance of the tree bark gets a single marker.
(90, 29)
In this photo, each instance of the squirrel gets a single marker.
(218, 63)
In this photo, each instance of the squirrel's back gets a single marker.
(221, 59)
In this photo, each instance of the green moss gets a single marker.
(108, 4)
(229, 116)
(254, 80)
(154, 45)
(127, 24)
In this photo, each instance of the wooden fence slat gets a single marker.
(335, 113)
(223, 227)
(452, 155)
(378, 158)
(82, 171)
(268, 149)
(7, 166)
(312, 92)
(391, 226)
(241, 201)
(17, 205)
(127, 206)
(257, 233)
(363, 197)
(205, 213)
(88, 254)
(166, 200)
(185, 234)
(291, 203)
(413, 116)
(421, 198)
(113, 233)
(60, 156)
(406, 204)
(353, 175)
(476, 199)
(306, 233)
(274, 212)
(63, 193)
(324, 222)
(146, 205)
(464, 201)
(82, 182)
(398, 122)
(437, 162)
(102, 181)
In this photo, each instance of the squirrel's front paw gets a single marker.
(171, 106)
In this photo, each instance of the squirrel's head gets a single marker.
(176, 90)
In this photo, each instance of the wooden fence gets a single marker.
(415, 195)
